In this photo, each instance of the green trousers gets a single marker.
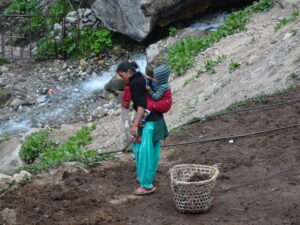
(147, 155)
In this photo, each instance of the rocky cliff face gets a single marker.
(137, 18)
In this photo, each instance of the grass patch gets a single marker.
(189, 106)
(3, 62)
(233, 66)
(286, 21)
(4, 138)
(180, 55)
(209, 68)
(40, 153)
(293, 76)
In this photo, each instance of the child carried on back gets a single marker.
(159, 96)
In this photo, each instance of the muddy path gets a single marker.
(259, 181)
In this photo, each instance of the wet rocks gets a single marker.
(16, 103)
(115, 84)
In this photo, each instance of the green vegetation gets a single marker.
(79, 43)
(233, 66)
(38, 146)
(189, 106)
(172, 31)
(180, 55)
(4, 138)
(23, 7)
(3, 62)
(56, 11)
(293, 76)
(34, 145)
(210, 64)
(207, 68)
(285, 21)
(88, 42)
(34, 24)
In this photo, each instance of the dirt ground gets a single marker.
(259, 181)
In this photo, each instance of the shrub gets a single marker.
(34, 145)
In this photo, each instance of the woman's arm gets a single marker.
(136, 122)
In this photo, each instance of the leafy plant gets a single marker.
(34, 24)
(233, 66)
(34, 145)
(285, 21)
(210, 64)
(51, 155)
(207, 68)
(88, 42)
(57, 10)
(292, 76)
(191, 104)
(173, 31)
(180, 55)
(23, 7)
(3, 62)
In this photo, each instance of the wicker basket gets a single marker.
(193, 197)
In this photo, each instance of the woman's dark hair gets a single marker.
(125, 66)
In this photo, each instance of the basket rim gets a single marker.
(214, 177)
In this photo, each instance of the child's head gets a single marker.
(161, 74)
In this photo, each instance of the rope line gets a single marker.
(231, 137)
(216, 139)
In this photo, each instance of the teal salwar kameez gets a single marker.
(147, 152)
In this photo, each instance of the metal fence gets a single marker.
(19, 40)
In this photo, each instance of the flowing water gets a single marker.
(68, 104)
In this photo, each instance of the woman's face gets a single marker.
(125, 75)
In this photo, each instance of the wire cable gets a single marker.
(231, 137)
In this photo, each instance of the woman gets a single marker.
(147, 151)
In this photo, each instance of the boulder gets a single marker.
(5, 181)
(16, 103)
(115, 84)
(21, 177)
(137, 18)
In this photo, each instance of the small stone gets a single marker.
(252, 60)
(231, 141)
(287, 36)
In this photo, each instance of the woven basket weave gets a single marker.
(193, 197)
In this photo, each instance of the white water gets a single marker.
(11, 126)
(66, 99)
(210, 22)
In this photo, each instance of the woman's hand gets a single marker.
(148, 88)
(134, 131)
